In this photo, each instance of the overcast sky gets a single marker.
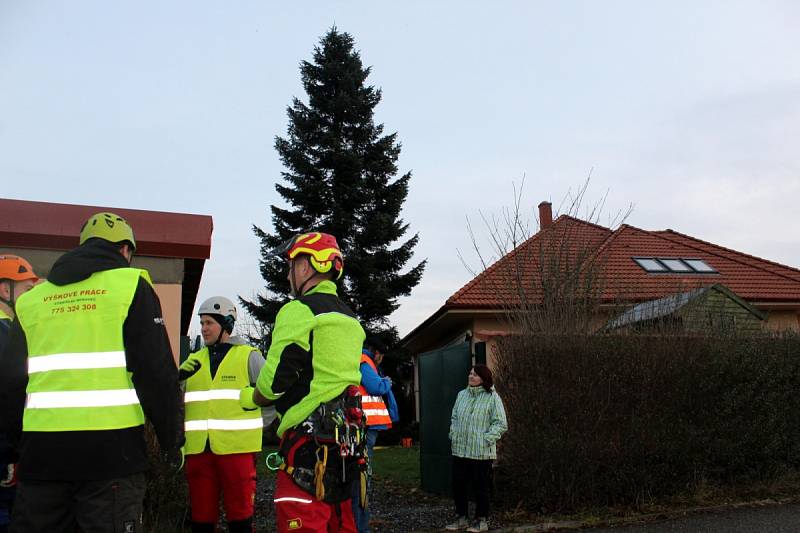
(689, 110)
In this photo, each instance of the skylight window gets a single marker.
(676, 265)
(650, 265)
(699, 265)
(667, 265)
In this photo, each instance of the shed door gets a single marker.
(442, 374)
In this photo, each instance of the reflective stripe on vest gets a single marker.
(373, 406)
(77, 375)
(216, 394)
(204, 425)
(73, 361)
(213, 413)
(81, 398)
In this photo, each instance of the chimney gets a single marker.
(545, 215)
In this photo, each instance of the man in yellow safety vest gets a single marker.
(88, 358)
(222, 437)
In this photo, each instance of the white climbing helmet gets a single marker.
(222, 307)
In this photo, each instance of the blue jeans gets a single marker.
(360, 515)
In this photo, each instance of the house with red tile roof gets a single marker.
(634, 266)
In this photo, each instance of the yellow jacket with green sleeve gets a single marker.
(315, 354)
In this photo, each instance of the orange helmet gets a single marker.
(322, 249)
(15, 268)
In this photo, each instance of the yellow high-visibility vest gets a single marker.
(77, 370)
(213, 412)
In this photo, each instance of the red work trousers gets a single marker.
(297, 511)
(234, 476)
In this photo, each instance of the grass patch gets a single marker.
(396, 465)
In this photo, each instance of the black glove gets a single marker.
(174, 459)
(189, 368)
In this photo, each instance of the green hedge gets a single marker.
(604, 420)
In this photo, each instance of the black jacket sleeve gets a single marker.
(13, 382)
(154, 373)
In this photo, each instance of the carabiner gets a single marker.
(278, 464)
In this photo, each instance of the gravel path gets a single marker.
(394, 509)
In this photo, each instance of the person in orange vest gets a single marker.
(16, 277)
(379, 406)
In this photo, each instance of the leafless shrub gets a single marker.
(165, 502)
(601, 417)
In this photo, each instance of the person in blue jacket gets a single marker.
(379, 406)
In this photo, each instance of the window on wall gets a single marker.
(676, 265)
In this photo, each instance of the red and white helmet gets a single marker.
(322, 249)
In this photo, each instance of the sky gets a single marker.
(688, 111)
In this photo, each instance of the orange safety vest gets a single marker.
(374, 406)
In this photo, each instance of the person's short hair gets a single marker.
(374, 343)
(486, 375)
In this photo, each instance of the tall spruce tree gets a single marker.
(339, 179)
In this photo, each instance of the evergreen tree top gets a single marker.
(339, 178)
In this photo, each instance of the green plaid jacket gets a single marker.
(477, 423)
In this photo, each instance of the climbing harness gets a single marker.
(326, 453)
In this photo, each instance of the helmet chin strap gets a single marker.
(222, 330)
(299, 291)
(11, 289)
(219, 337)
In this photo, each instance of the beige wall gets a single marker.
(170, 296)
(161, 269)
(166, 273)
(783, 320)
(485, 325)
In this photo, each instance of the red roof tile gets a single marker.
(750, 277)
(26, 224)
(494, 287)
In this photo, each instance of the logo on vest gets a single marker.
(227, 378)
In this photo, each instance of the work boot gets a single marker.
(203, 527)
(460, 523)
(241, 526)
(479, 524)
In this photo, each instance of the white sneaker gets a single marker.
(458, 525)
(480, 524)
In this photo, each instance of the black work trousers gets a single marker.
(477, 474)
(104, 506)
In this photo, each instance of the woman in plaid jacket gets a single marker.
(476, 424)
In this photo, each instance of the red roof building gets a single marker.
(173, 247)
(635, 265)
